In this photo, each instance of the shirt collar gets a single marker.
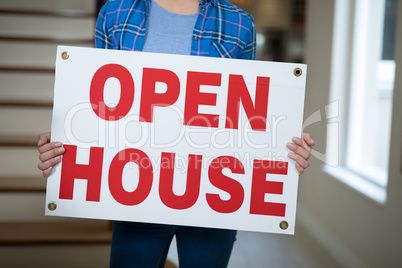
(213, 2)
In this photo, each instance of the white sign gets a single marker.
(176, 139)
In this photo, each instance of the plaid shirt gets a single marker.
(221, 30)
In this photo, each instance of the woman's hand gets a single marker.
(301, 151)
(49, 153)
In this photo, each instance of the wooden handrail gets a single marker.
(67, 13)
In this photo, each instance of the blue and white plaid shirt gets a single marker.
(221, 30)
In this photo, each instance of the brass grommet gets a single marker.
(284, 225)
(65, 55)
(297, 72)
(52, 206)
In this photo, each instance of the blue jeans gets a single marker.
(146, 245)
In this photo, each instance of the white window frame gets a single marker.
(356, 50)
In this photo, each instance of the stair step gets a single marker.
(26, 103)
(19, 162)
(26, 86)
(69, 13)
(22, 184)
(79, 5)
(27, 69)
(50, 27)
(18, 140)
(24, 121)
(56, 233)
(29, 54)
(56, 40)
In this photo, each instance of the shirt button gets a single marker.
(203, 8)
(196, 37)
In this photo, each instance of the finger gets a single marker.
(300, 170)
(46, 173)
(308, 139)
(43, 139)
(49, 163)
(299, 160)
(51, 154)
(49, 146)
(298, 141)
(299, 150)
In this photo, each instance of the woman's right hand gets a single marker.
(49, 153)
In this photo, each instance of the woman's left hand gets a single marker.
(301, 151)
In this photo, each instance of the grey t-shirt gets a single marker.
(168, 32)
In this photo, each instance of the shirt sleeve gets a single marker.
(102, 39)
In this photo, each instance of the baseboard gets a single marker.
(334, 246)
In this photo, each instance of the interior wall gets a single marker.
(359, 231)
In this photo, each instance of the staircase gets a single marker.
(29, 34)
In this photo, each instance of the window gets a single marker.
(363, 71)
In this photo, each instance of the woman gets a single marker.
(213, 28)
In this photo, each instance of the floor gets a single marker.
(251, 250)
(258, 250)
